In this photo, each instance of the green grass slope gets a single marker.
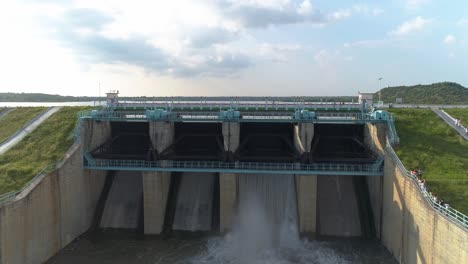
(17, 119)
(436, 93)
(44, 146)
(459, 113)
(427, 142)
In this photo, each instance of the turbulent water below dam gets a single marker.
(265, 231)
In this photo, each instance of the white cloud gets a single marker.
(450, 39)
(414, 4)
(410, 26)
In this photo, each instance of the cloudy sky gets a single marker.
(229, 47)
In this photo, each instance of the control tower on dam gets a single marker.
(180, 165)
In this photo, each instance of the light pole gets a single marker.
(380, 86)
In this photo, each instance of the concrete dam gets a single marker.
(266, 174)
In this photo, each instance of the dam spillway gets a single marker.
(194, 164)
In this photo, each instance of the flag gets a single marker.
(380, 78)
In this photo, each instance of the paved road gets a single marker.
(26, 130)
(451, 121)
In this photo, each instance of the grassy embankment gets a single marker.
(17, 119)
(427, 142)
(459, 113)
(44, 146)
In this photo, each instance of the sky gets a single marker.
(228, 47)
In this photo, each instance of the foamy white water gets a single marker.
(266, 228)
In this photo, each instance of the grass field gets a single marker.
(17, 119)
(459, 113)
(427, 142)
(44, 146)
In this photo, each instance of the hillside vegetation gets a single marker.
(427, 142)
(17, 119)
(44, 146)
(436, 93)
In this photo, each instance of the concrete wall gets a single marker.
(161, 134)
(155, 194)
(156, 184)
(303, 136)
(306, 185)
(231, 136)
(306, 191)
(337, 208)
(94, 133)
(228, 182)
(411, 230)
(54, 210)
(375, 136)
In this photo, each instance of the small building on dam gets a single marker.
(187, 165)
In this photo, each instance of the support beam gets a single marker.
(306, 189)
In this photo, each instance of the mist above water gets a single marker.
(265, 229)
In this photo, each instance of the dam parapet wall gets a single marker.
(413, 230)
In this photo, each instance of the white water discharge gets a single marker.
(266, 228)
(194, 205)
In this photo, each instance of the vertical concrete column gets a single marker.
(306, 185)
(306, 188)
(303, 135)
(155, 194)
(228, 200)
(231, 136)
(228, 181)
(156, 184)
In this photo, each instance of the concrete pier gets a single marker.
(306, 185)
(156, 184)
(228, 182)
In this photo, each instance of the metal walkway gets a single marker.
(27, 129)
(265, 116)
(373, 169)
(451, 121)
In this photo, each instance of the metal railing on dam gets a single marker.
(449, 212)
(373, 169)
(247, 116)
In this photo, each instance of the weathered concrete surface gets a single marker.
(156, 184)
(228, 186)
(306, 185)
(338, 213)
(50, 213)
(94, 134)
(411, 230)
(231, 135)
(123, 205)
(375, 185)
(228, 182)
(155, 194)
(306, 189)
(161, 134)
(375, 136)
(303, 136)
